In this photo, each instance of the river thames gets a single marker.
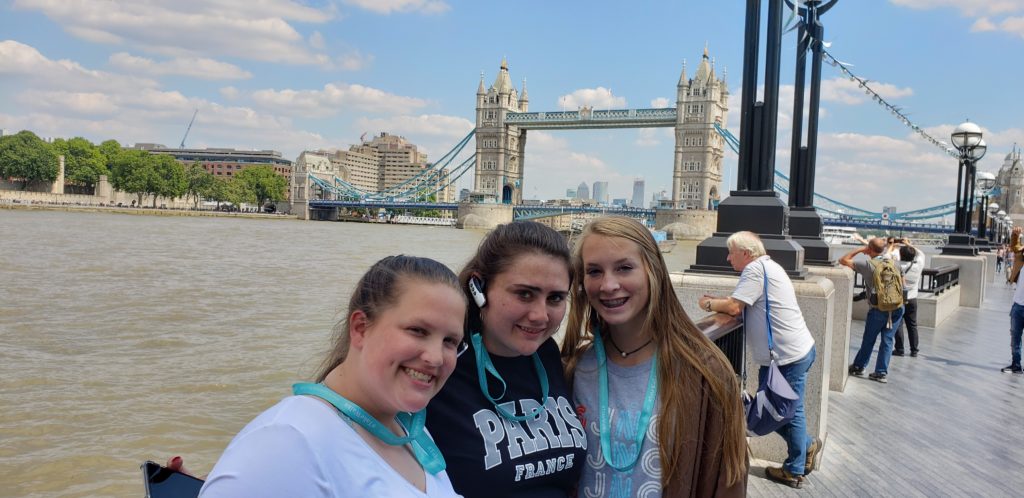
(132, 338)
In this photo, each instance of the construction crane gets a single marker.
(182, 146)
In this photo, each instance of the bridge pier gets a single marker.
(686, 224)
(483, 216)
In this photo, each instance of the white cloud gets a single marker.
(847, 91)
(967, 7)
(80, 103)
(983, 24)
(660, 102)
(353, 61)
(334, 98)
(229, 92)
(196, 67)
(389, 6)
(981, 11)
(598, 98)
(193, 28)
(316, 40)
(22, 61)
(450, 127)
(650, 137)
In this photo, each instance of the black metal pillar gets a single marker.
(962, 243)
(805, 225)
(754, 205)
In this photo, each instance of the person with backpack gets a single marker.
(883, 282)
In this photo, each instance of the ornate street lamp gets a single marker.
(967, 139)
(993, 209)
(1001, 216)
(986, 182)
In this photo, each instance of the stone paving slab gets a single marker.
(948, 423)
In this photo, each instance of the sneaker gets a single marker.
(782, 476)
(813, 452)
(1012, 369)
(913, 354)
(878, 377)
(855, 370)
(898, 353)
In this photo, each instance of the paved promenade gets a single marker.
(948, 423)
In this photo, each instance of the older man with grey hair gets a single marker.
(774, 303)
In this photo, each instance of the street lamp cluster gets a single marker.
(967, 139)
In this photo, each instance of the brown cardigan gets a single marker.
(703, 475)
(1017, 249)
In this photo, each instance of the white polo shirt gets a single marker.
(790, 334)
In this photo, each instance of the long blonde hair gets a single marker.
(680, 346)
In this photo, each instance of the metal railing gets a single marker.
(933, 280)
(728, 334)
(938, 280)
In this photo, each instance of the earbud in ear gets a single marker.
(476, 288)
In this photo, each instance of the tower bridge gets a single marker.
(502, 120)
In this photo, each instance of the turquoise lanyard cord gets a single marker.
(484, 366)
(645, 413)
(423, 447)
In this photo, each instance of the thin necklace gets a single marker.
(624, 353)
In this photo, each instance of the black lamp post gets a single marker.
(754, 205)
(805, 226)
(1000, 220)
(986, 181)
(968, 141)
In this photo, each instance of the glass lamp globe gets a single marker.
(978, 151)
(967, 134)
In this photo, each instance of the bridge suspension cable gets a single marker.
(838, 208)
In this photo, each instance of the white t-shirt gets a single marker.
(304, 447)
(912, 274)
(790, 334)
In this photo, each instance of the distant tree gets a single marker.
(83, 161)
(264, 184)
(198, 180)
(216, 190)
(133, 171)
(169, 180)
(110, 150)
(26, 158)
(238, 192)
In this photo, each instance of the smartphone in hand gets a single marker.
(162, 482)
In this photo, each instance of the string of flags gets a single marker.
(893, 109)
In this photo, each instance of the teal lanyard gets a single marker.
(484, 366)
(423, 447)
(645, 413)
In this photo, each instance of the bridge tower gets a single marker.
(700, 103)
(499, 146)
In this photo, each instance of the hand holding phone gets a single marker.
(162, 482)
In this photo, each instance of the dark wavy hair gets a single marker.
(379, 289)
(499, 249)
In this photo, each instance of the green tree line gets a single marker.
(27, 159)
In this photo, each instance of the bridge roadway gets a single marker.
(948, 423)
(525, 212)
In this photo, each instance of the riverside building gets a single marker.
(224, 163)
(373, 167)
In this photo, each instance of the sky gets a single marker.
(294, 75)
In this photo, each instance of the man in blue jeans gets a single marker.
(877, 322)
(793, 343)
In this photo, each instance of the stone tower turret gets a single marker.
(701, 102)
(499, 147)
